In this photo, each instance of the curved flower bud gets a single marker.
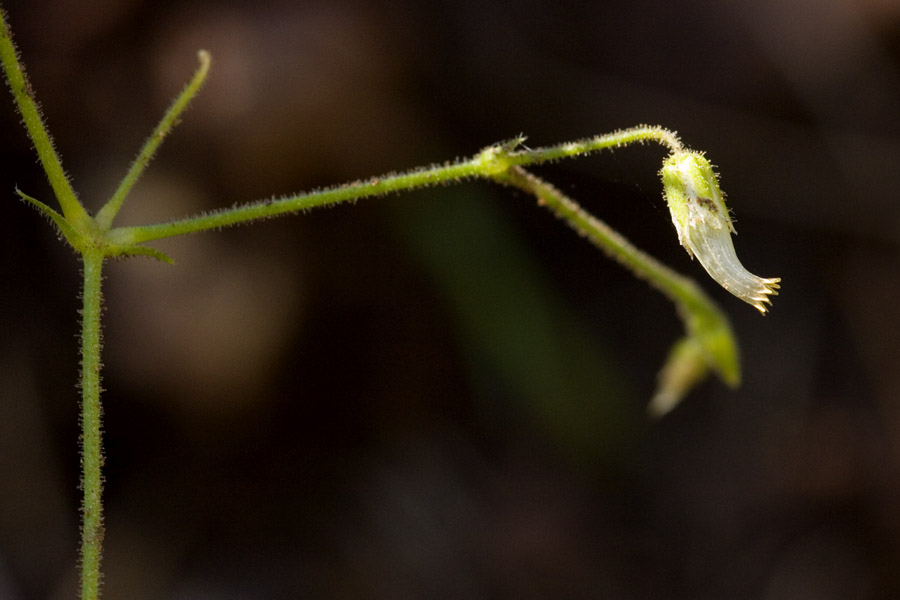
(704, 227)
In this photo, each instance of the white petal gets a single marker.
(708, 238)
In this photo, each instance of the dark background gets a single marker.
(441, 394)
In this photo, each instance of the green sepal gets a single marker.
(688, 177)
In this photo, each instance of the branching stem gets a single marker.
(491, 161)
(709, 342)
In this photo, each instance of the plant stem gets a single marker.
(271, 208)
(677, 287)
(91, 415)
(704, 321)
(31, 116)
(106, 214)
(622, 137)
(489, 162)
(709, 342)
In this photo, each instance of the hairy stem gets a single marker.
(704, 321)
(486, 164)
(91, 414)
(677, 287)
(106, 214)
(709, 342)
(37, 131)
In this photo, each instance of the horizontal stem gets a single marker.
(271, 208)
(622, 137)
(487, 164)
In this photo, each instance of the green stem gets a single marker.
(37, 131)
(678, 288)
(489, 162)
(91, 442)
(170, 119)
(705, 323)
(622, 137)
(270, 208)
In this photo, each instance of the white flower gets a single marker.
(704, 227)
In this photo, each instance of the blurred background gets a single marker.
(442, 394)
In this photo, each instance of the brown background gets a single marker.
(441, 394)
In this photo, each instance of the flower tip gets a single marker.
(762, 300)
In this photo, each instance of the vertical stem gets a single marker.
(91, 452)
